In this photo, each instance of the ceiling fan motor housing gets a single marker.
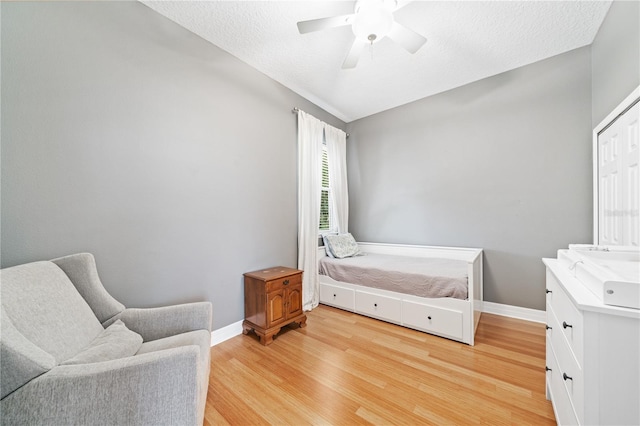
(373, 19)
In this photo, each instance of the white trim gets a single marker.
(232, 330)
(226, 333)
(622, 107)
(514, 312)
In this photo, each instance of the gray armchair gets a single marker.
(72, 354)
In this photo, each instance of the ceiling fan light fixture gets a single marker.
(373, 20)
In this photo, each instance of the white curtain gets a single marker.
(310, 131)
(336, 141)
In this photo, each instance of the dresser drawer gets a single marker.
(382, 307)
(284, 282)
(445, 322)
(562, 406)
(343, 298)
(570, 320)
(569, 371)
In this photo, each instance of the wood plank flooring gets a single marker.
(345, 369)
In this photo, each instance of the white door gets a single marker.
(619, 180)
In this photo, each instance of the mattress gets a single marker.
(419, 276)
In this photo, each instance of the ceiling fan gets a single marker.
(371, 21)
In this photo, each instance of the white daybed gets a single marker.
(448, 317)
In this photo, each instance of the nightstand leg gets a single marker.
(246, 328)
(267, 339)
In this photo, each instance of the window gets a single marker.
(325, 217)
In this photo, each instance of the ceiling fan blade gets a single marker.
(409, 39)
(323, 23)
(354, 54)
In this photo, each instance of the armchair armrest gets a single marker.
(156, 323)
(153, 388)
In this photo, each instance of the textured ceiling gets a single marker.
(467, 41)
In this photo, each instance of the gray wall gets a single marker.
(503, 164)
(129, 137)
(615, 58)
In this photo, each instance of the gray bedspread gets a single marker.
(424, 277)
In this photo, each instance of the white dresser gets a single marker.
(593, 354)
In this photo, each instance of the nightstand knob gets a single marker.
(334, 295)
(375, 305)
(429, 317)
(285, 282)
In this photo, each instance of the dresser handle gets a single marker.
(549, 328)
(285, 282)
(548, 291)
(565, 377)
(547, 368)
(565, 325)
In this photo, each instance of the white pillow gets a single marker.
(327, 249)
(343, 245)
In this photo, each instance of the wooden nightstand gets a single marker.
(272, 299)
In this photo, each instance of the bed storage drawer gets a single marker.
(339, 297)
(422, 316)
(377, 306)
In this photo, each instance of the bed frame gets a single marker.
(447, 317)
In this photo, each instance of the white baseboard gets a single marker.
(514, 312)
(232, 330)
(226, 333)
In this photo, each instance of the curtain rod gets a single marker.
(296, 109)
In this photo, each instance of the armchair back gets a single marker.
(45, 307)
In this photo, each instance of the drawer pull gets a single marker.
(285, 282)
(565, 325)
(429, 317)
(549, 328)
(334, 295)
(547, 368)
(375, 305)
(548, 291)
(565, 377)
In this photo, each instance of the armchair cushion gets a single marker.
(117, 341)
(21, 359)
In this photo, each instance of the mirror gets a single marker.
(616, 182)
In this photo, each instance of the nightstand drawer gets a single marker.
(284, 282)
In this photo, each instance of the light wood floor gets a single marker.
(348, 369)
